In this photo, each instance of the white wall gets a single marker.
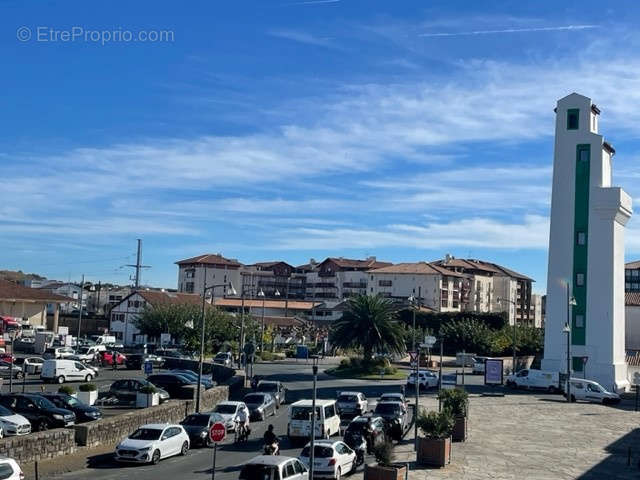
(215, 276)
(632, 327)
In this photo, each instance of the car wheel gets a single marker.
(1, 432)
(87, 378)
(551, 389)
(338, 473)
(60, 379)
(184, 449)
(155, 458)
(43, 425)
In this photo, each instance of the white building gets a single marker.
(586, 250)
(215, 268)
(632, 321)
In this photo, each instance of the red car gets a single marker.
(107, 358)
(7, 357)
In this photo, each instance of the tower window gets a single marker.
(580, 279)
(580, 321)
(581, 238)
(584, 154)
(572, 118)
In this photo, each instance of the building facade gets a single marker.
(214, 269)
(586, 251)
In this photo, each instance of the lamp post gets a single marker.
(205, 289)
(416, 383)
(571, 302)
(314, 359)
(261, 295)
(515, 305)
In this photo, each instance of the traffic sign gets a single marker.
(148, 367)
(413, 356)
(217, 432)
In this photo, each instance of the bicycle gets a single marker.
(241, 433)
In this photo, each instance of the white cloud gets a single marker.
(303, 37)
(510, 30)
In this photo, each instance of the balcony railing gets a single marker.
(324, 285)
(354, 285)
(326, 274)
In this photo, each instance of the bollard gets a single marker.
(36, 470)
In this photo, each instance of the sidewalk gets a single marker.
(521, 436)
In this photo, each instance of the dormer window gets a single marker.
(572, 118)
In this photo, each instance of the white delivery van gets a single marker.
(327, 420)
(531, 378)
(590, 391)
(61, 371)
(103, 339)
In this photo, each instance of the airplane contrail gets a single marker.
(509, 30)
(311, 2)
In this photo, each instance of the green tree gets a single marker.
(467, 334)
(369, 323)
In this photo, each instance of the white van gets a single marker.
(103, 339)
(590, 391)
(61, 371)
(531, 378)
(327, 420)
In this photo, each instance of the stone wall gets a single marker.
(38, 446)
(113, 429)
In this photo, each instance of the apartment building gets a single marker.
(214, 268)
(275, 279)
(632, 277)
(432, 286)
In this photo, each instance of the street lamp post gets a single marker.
(416, 383)
(262, 295)
(571, 301)
(314, 359)
(500, 300)
(205, 289)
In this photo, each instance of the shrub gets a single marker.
(436, 424)
(383, 453)
(66, 389)
(345, 363)
(355, 362)
(266, 356)
(148, 389)
(87, 387)
(390, 370)
(455, 401)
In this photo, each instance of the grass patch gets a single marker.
(364, 374)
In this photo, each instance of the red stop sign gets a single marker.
(217, 432)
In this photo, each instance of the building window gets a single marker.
(572, 118)
(384, 283)
(578, 364)
(584, 155)
(189, 287)
(455, 304)
(634, 273)
(627, 286)
(445, 303)
(635, 286)
(581, 238)
(579, 321)
(580, 279)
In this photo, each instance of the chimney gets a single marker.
(447, 258)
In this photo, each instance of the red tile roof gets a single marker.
(210, 259)
(348, 263)
(473, 264)
(417, 268)
(632, 265)
(283, 321)
(10, 291)
(157, 298)
(632, 299)
(291, 305)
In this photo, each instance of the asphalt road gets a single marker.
(198, 463)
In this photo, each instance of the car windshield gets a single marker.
(254, 399)
(5, 412)
(267, 387)
(43, 402)
(347, 398)
(225, 409)
(83, 350)
(259, 472)
(387, 408)
(146, 434)
(318, 452)
(303, 413)
(391, 397)
(200, 420)
(356, 427)
(71, 401)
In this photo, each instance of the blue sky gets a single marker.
(295, 129)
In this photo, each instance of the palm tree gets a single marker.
(370, 323)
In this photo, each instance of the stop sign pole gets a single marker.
(217, 433)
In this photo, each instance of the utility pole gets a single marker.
(138, 266)
(80, 316)
(313, 416)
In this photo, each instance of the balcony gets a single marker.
(385, 283)
(326, 274)
(325, 295)
(324, 285)
(354, 285)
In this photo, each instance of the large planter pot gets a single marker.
(391, 472)
(88, 397)
(434, 451)
(460, 428)
(144, 400)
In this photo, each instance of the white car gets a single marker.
(273, 467)
(331, 459)
(153, 442)
(58, 352)
(13, 424)
(590, 391)
(426, 379)
(352, 403)
(223, 358)
(229, 411)
(33, 365)
(10, 470)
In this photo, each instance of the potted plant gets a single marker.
(147, 396)
(68, 390)
(385, 469)
(434, 447)
(87, 393)
(456, 401)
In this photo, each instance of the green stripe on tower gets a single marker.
(580, 244)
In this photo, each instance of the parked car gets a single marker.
(366, 426)
(223, 358)
(82, 411)
(393, 397)
(30, 365)
(58, 352)
(274, 467)
(229, 410)
(13, 423)
(177, 386)
(153, 442)
(41, 413)
(7, 357)
(327, 419)
(9, 369)
(106, 357)
(260, 405)
(590, 391)
(197, 426)
(395, 416)
(10, 470)
(426, 379)
(191, 375)
(89, 353)
(275, 389)
(61, 371)
(136, 361)
(531, 378)
(126, 390)
(332, 459)
(353, 403)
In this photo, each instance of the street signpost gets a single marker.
(217, 433)
(493, 371)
